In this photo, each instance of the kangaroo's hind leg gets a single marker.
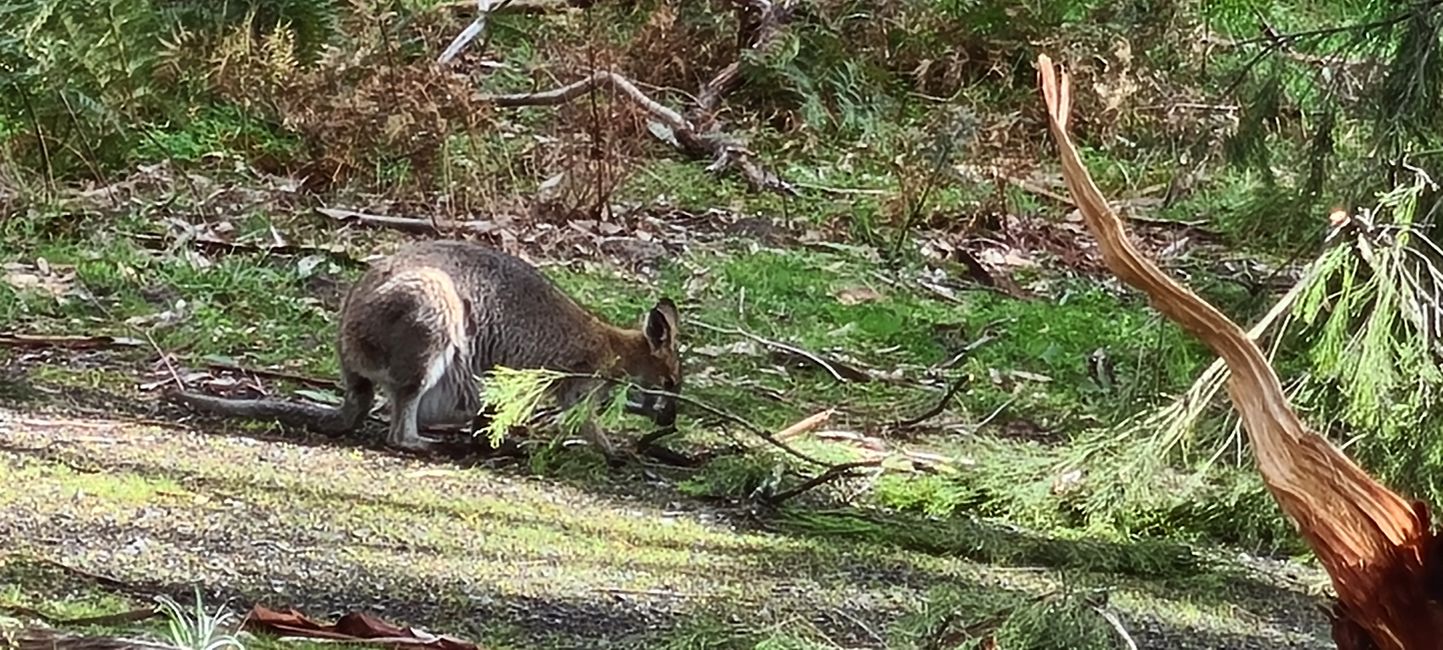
(406, 397)
(454, 399)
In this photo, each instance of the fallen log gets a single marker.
(1378, 548)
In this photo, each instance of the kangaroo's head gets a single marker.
(661, 370)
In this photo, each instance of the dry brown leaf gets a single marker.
(53, 279)
(858, 295)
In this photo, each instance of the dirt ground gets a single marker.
(504, 558)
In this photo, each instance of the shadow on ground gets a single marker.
(332, 525)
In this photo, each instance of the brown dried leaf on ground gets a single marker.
(41, 276)
(354, 626)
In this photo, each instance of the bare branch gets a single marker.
(839, 371)
(484, 8)
(683, 134)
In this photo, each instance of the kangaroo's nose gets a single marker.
(665, 411)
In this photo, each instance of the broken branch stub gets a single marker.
(1377, 547)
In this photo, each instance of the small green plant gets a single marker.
(196, 629)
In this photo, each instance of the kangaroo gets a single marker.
(424, 322)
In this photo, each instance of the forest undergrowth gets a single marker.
(857, 211)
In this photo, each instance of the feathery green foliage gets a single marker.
(514, 394)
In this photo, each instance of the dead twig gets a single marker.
(839, 371)
(937, 408)
(750, 426)
(308, 380)
(68, 341)
(832, 473)
(408, 224)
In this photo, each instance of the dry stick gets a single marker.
(70, 341)
(953, 389)
(840, 372)
(805, 424)
(937, 408)
(405, 224)
(273, 374)
(1377, 548)
(839, 471)
(750, 426)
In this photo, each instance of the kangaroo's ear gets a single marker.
(660, 325)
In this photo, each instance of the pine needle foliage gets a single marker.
(1372, 329)
(514, 395)
(1373, 84)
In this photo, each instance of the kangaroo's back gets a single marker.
(513, 314)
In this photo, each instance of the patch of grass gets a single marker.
(28, 582)
(732, 477)
(220, 129)
(127, 491)
(997, 544)
(974, 618)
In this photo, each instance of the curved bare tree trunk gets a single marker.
(1378, 548)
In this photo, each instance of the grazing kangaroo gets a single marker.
(424, 322)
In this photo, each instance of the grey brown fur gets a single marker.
(422, 323)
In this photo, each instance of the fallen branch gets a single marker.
(407, 224)
(833, 473)
(318, 382)
(68, 341)
(839, 371)
(1378, 548)
(681, 133)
